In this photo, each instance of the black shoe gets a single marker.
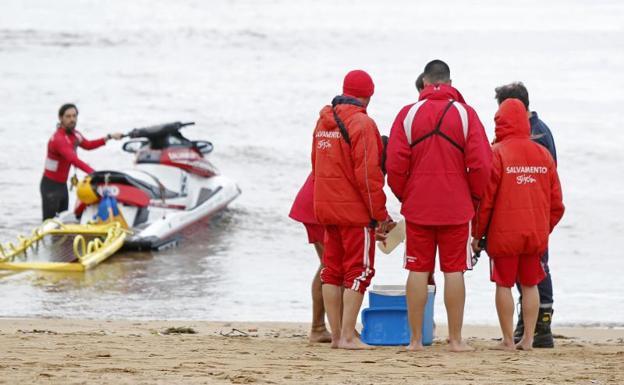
(519, 331)
(543, 335)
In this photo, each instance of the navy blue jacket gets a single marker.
(541, 134)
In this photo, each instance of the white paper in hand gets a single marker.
(395, 237)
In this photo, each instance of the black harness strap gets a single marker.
(341, 127)
(437, 131)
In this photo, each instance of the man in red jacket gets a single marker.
(349, 201)
(438, 164)
(61, 156)
(521, 206)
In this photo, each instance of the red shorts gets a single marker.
(316, 233)
(526, 269)
(349, 257)
(451, 241)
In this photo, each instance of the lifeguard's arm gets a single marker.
(398, 155)
(366, 155)
(556, 198)
(90, 144)
(69, 154)
(486, 205)
(477, 157)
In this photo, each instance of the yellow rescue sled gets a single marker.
(55, 246)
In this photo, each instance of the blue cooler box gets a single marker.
(385, 320)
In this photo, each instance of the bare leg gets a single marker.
(530, 308)
(352, 301)
(416, 292)
(505, 310)
(318, 332)
(454, 298)
(332, 299)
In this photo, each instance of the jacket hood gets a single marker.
(345, 107)
(511, 121)
(441, 92)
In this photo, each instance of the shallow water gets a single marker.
(253, 75)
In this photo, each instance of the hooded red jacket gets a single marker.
(522, 203)
(348, 182)
(62, 154)
(437, 182)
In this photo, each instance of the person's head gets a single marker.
(515, 90)
(68, 116)
(511, 120)
(436, 72)
(358, 84)
(420, 84)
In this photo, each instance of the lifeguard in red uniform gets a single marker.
(61, 156)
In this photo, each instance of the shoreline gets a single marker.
(79, 351)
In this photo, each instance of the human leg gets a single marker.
(318, 332)
(420, 261)
(504, 272)
(358, 264)
(332, 277)
(54, 197)
(455, 258)
(454, 300)
(530, 308)
(530, 273)
(505, 311)
(416, 295)
(352, 301)
(332, 299)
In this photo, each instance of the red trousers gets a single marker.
(349, 257)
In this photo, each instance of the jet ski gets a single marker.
(171, 186)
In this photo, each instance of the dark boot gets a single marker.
(543, 335)
(519, 331)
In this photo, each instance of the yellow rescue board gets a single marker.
(55, 246)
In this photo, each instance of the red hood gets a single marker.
(511, 121)
(441, 92)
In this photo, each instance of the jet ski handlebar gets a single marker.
(157, 130)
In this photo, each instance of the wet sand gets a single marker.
(53, 351)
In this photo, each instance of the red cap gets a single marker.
(359, 84)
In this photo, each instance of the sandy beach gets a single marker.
(54, 351)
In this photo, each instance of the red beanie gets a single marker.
(359, 84)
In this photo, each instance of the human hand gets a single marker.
(385, 226)
(475, 245)
(116, 135)
(380, 236)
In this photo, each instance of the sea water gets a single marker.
(253, 75)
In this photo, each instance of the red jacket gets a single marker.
(348, 182)
(522, 203)
(440, 179)
(302, 209)
(62, 154)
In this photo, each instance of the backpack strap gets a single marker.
(341, 127)
(340, 99)
(437, 131)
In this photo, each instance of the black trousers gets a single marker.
(54, 197)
